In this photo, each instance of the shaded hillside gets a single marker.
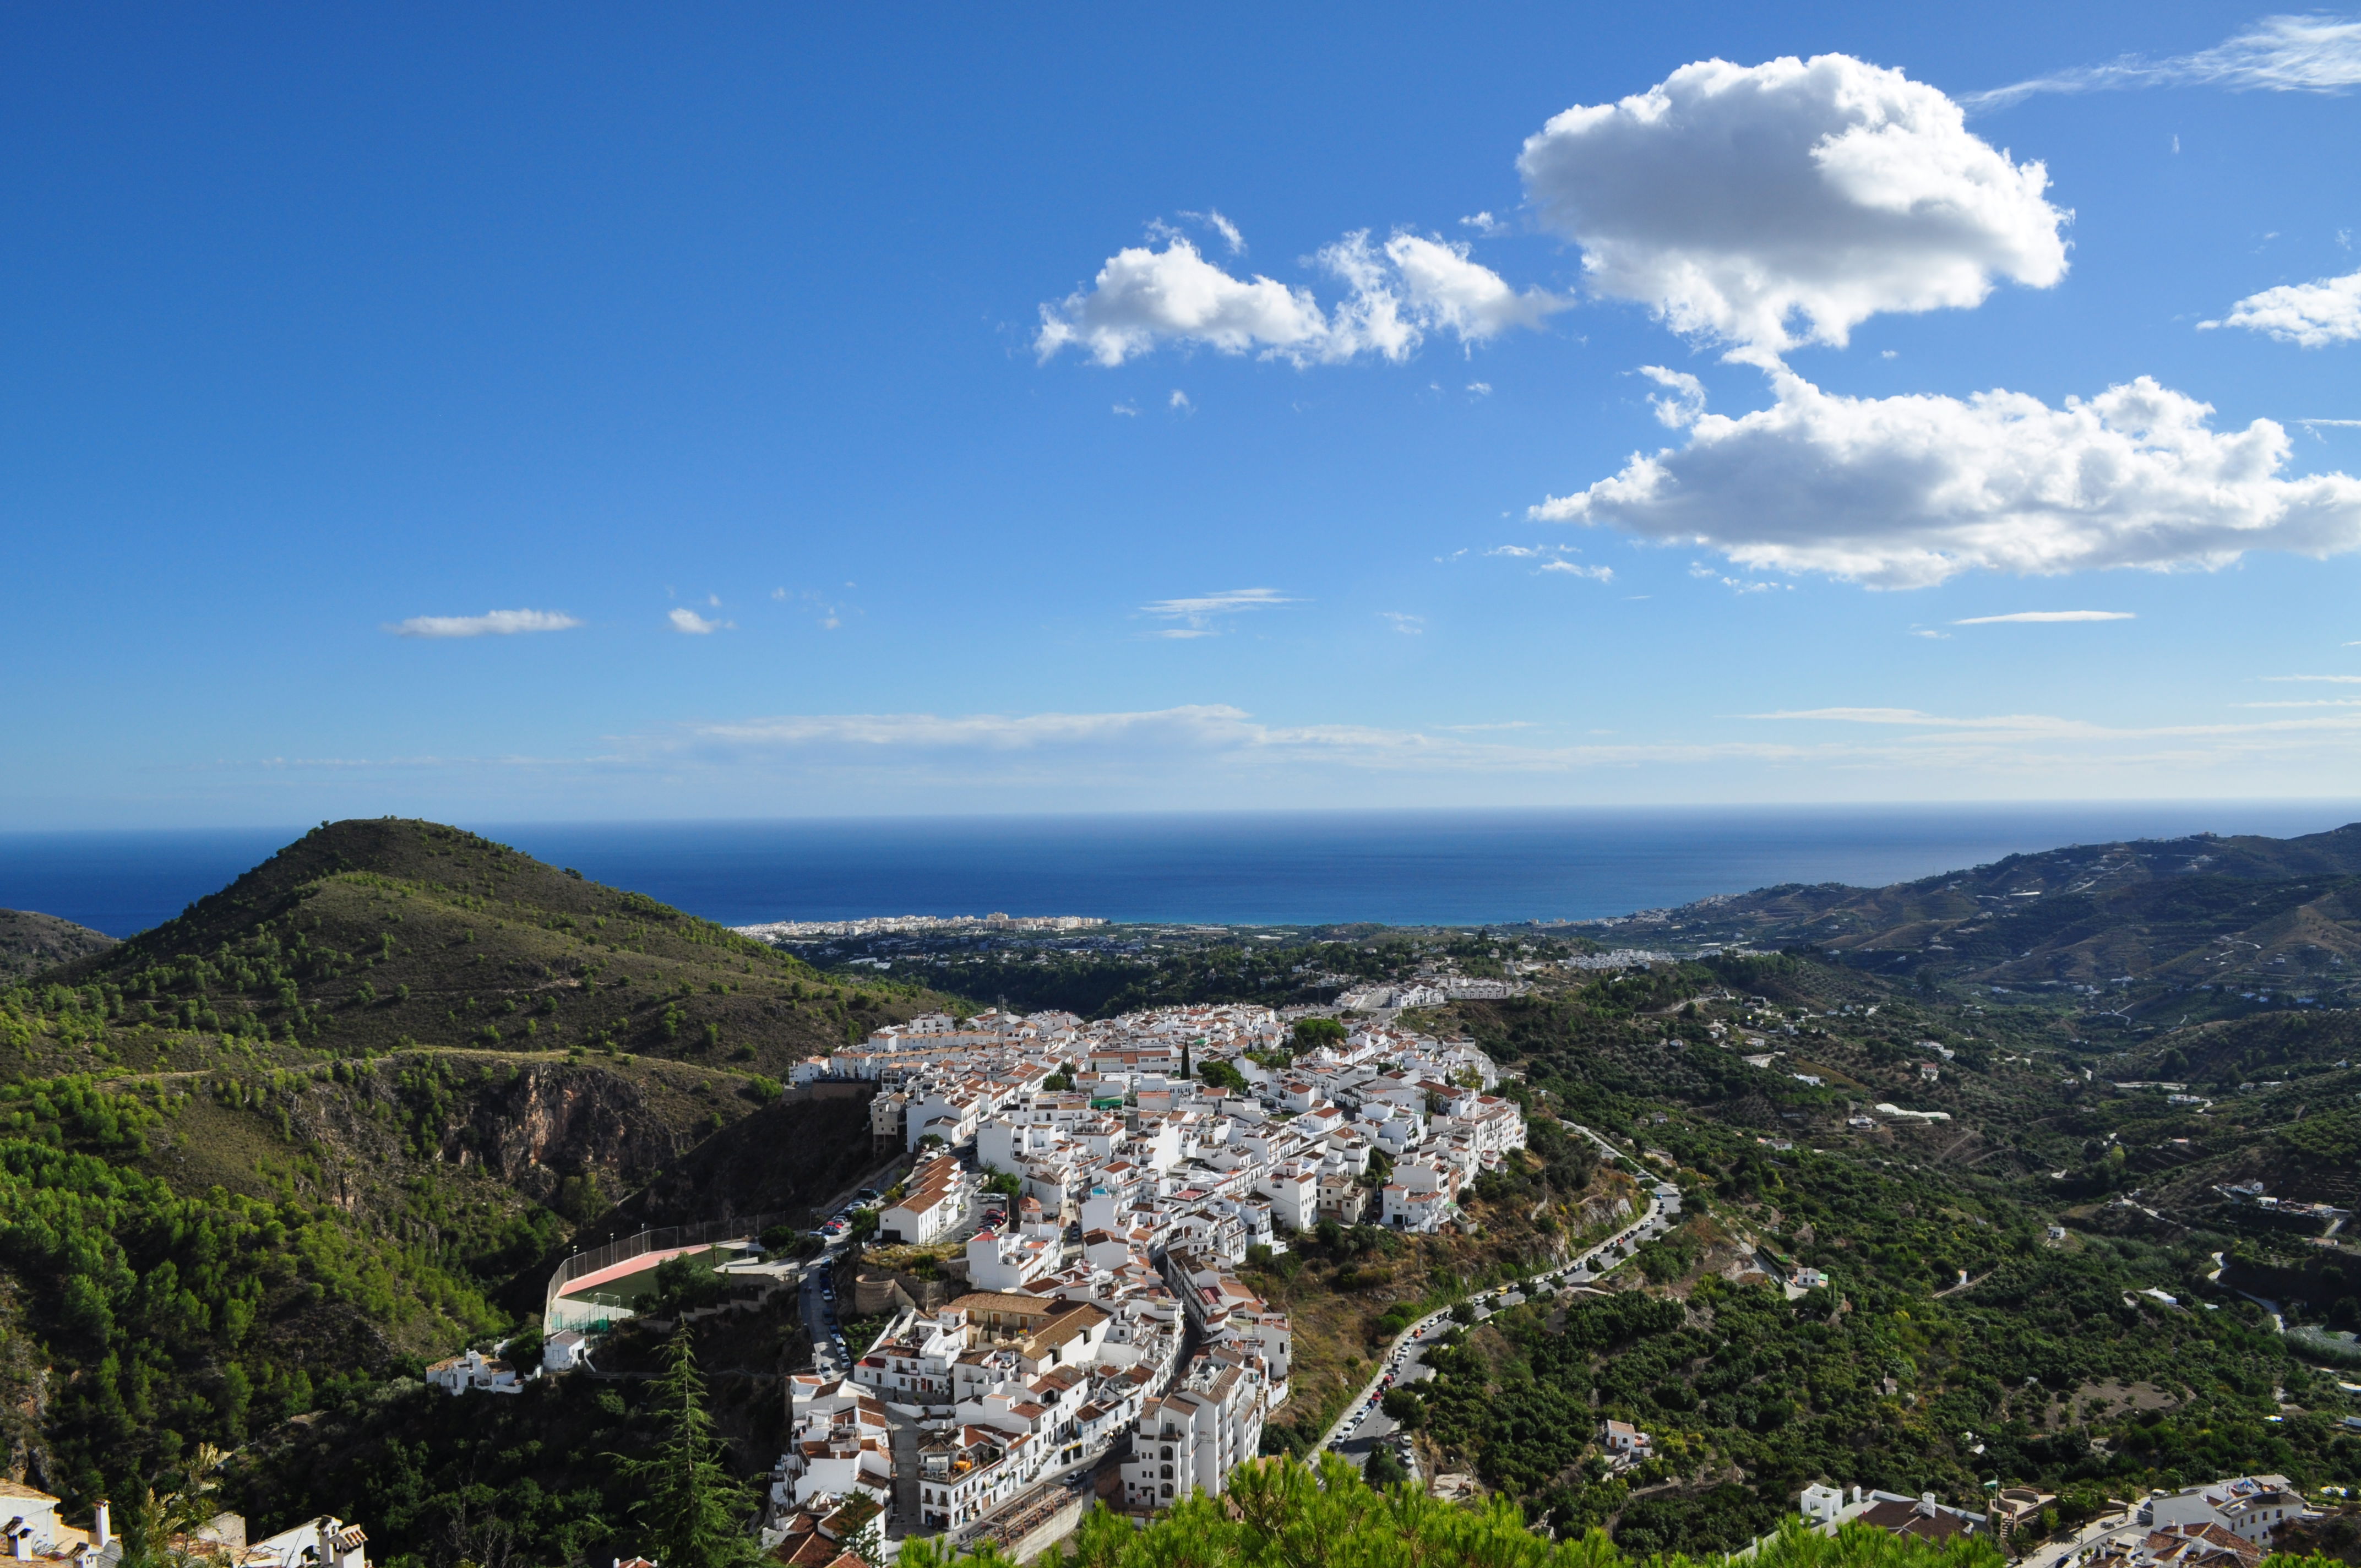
(30, 942)
(782, 1159)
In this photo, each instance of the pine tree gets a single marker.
(691, 1510)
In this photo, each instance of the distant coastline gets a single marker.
(1295, 868)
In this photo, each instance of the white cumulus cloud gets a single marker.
(687, 620)
(2314, 315)
(1445, 288)
(1786, 202)
(2278, 54)
(1682, 399)
(494, 623)
(1143, 297)
(1396, 293)
(1907, 491)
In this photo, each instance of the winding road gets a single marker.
(1363, 1426)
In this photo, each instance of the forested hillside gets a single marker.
(260, 1163)
(2036, 1274)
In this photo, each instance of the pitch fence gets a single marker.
(592, 1317)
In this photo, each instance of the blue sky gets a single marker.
(918, 410)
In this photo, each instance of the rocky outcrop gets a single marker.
(552, 1121)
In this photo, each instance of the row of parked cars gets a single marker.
(834, 1227)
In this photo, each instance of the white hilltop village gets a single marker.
(1141, 1189)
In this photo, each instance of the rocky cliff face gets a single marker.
(785, 1159)
(552, 1121)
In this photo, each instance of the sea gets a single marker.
(1439, 867)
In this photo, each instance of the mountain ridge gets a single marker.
(31, 941)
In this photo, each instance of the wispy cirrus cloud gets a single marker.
(493, 623)
(1915, 718)
(1212, 218)
(1170, 742)
(2033, 727)
(1188, 756)
(2045, 616)
(2315, 53)
(1201, 616)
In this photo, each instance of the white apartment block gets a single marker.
(934, 1203)
(1191, 1439)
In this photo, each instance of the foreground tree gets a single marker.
(693, 1511)
(1279, 1513)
